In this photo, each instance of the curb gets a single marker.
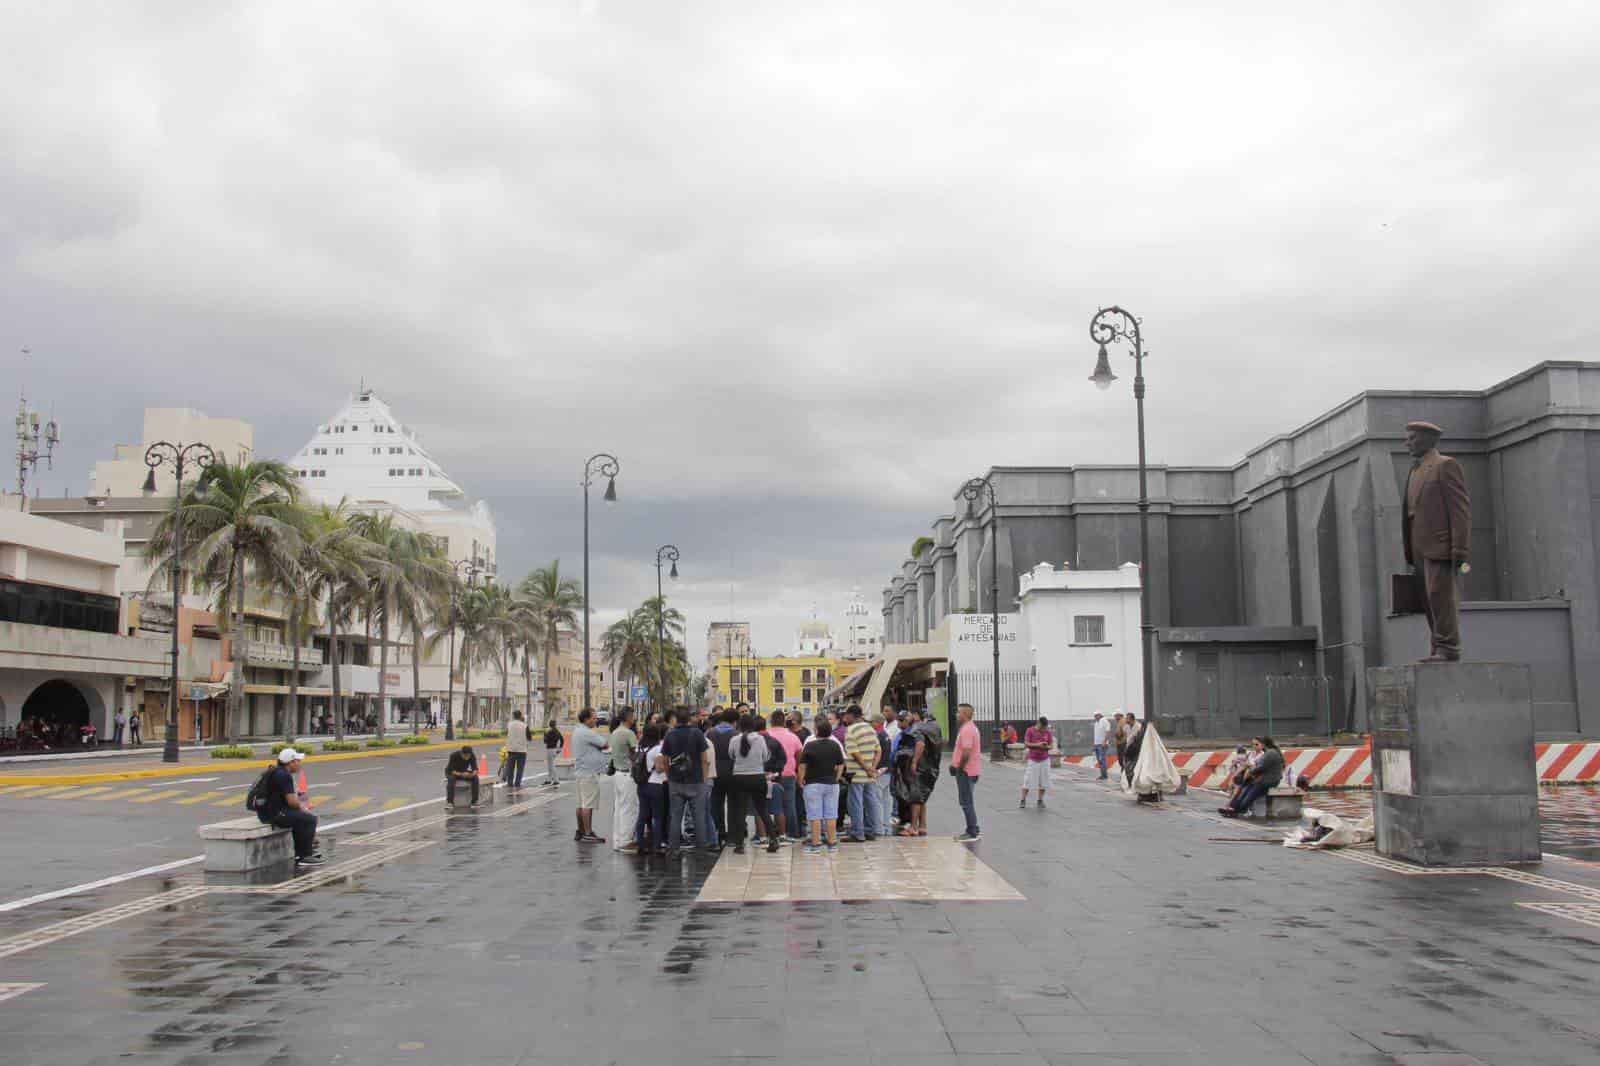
(251, 765)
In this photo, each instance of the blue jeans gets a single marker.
(1100, 758)
(784, 801)
(1247, 799)
(693, 797)
(864, 794)
(652, 816)
(965, 786)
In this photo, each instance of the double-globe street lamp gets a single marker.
(665, 553)
(467, 568)
(971, 492)
(177, 456)
(601, 464)
(1111, 324)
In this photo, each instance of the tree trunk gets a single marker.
(333, 647)
(466, 679)
(549, 711)
(416, 680)
(527, 679)
(505, 656)
(236, 675)
(383, 670)
(293, 725)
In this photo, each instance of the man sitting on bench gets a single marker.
(1257, 782)
(462, 767)
(285, 809)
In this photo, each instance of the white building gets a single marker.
(863, 633)
(1082, 629)
(814, 637)
(64, 657)
(367, 457)
(123, 475)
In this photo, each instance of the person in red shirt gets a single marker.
(966, 763)
(1039, 740)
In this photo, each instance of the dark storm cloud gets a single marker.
(803, 267)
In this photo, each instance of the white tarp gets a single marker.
(1323, 829)
(1155, 772)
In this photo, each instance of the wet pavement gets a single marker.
(1157, 935)
(1569, 817)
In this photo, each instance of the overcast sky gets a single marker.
(803, 267)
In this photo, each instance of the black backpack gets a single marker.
(255, 800)
(640, 770)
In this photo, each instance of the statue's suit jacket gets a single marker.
(1436, 494)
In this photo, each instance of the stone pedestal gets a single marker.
(1454, 780)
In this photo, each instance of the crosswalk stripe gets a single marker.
(123, 794)
(53, 791)
(201, 798)
(25, 791)
(391, 804)
(352, 804)
(229, 801)
(79, 793)
(166, 793)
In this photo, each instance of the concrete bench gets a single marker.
(486, 791)
(1018, 752)
(245, 844)
(1284, 804)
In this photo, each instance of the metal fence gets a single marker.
(1019, 696)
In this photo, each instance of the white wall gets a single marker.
(1076, 680)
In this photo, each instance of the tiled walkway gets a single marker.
(927, 868)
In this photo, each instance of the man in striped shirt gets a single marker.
(861, 751)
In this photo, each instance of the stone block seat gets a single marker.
(245, 844)
(1284, 804)
(486, 791)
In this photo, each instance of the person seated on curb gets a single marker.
(462, 767)
(285, 810)
(1259, 780)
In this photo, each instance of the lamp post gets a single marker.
(605, 465)
(1115, 324)
(971, 491)
(665, 553)
(469, 568)
(177, 456)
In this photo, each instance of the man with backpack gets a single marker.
(552, 748)
(276, 801)
(688, 756)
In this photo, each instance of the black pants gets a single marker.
(721, 787)
(303, 824)
(450, 784)
(516, 762)
(744, 792)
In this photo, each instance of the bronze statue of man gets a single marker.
(1438, 535)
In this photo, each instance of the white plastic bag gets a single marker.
(1324, 829)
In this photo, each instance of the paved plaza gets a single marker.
(1095, 931)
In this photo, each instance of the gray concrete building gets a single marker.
(1270, 579)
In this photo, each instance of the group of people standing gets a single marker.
(701, 777)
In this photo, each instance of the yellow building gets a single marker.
(785, 682)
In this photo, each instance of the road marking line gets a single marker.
(354, 803)
(229, 801)
(1587, 913)
(194, 781)
(14, 989)
(57, 931)
(371, 770)
(391, 804)
(52, 791)
(202, 797)
(79, 793)
(117, 879)
(166, 793)
(125, 793)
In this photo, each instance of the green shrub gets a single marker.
(233, 751)
(280, 745)
(382, 742)
(340, 745)
(415, 738)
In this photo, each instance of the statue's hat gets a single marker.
(1427, 426)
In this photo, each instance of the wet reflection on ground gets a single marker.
(1569, 816)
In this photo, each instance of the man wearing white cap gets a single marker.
(285, 810)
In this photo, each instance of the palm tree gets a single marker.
(476, 608)
(665, 626)
(239, 524)
(501, 623)
(322, 545)
(339, 576)
(629, 645)
(419, 590)
(388, 546)
(553, 601)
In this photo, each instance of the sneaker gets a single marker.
(1023, 805)
(591, 838)
(577, 834)
(832, 848)
(310, 860)
(772, 846)
(738, 849)
(871, 837)
(854, 840)
(813, 849)
(1040, 805)
(968, 838)
(758, 841)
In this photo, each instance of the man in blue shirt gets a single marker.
(285, 810)
(688, 755)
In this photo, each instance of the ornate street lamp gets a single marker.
(665, 553)
(971, 492)
(469, 569)
(177, 456)
(604, 465)
(1108, 325)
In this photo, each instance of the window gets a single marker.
(319, 451)
(777, 677)
(822, 679)
(377, 451)
(45, 605)
(302, 473)
(805, 679)
(777, 695)
(394, 451)
(805, 695)
(338, 451)
(1089, 629)
(338, 429)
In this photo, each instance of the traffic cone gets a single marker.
(302, 786)
(566, 746)
(483, 766)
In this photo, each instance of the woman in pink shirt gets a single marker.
(966, 763)
(785, 802)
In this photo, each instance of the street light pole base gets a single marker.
(169, 750)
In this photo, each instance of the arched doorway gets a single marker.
(57, 702)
